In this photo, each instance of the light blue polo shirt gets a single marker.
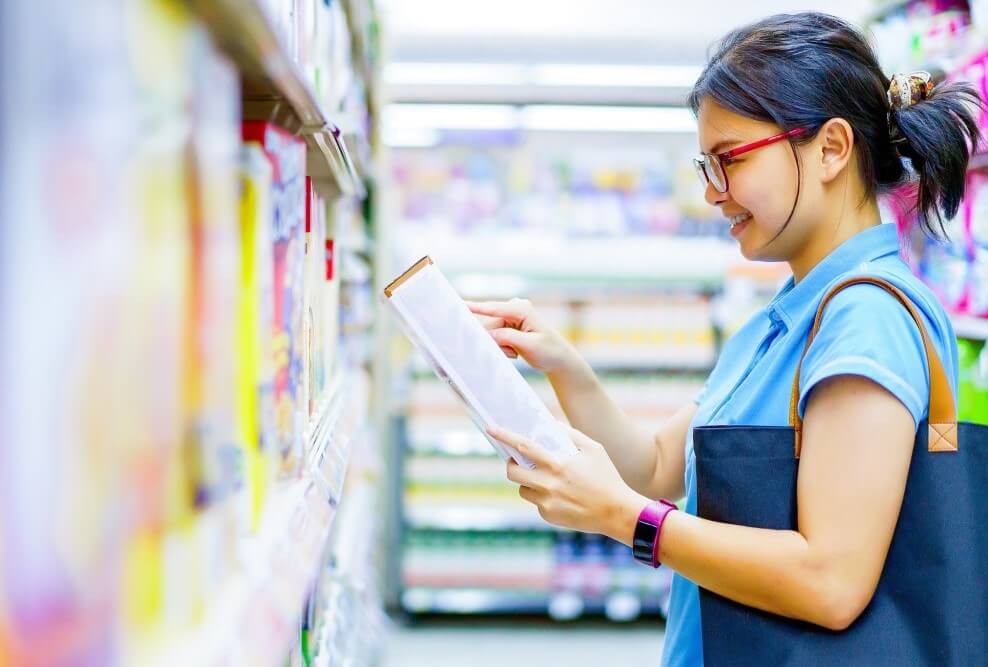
(865, 331)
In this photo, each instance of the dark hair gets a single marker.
(801, 70)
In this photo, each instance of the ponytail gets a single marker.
(937, 136)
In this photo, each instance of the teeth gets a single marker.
(738, 219)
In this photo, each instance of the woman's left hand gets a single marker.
(582, 492)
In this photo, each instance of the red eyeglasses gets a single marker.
(710, 167)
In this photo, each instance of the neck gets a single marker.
(831, 232)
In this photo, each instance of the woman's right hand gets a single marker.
(519, 331)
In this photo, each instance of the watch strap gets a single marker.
(648, 530)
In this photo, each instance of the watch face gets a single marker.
(643, 541)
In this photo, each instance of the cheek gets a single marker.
(764, 198)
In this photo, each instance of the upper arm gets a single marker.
(864, 389)
(857, 445)
(670, 460)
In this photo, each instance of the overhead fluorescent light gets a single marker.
(540, 74)
(607, 119)
(454, 74)
(451, 116)
(606, 76)
(421, 122)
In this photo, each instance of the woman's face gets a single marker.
(761, 183)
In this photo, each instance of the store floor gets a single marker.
(473, 642)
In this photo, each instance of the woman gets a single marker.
(799, 130)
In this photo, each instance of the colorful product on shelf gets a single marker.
(914, 33)
(256, 329)
(312, 302)
(163, 581)
(972, 392)
(212, 435)
(975, 72)
(287, 155)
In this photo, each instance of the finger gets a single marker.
(523, 446)
(523, 476)
(509, 352)
(531, 495)
(491, 323)
(511, 338)
(514, 312)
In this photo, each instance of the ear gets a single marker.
(836, 144)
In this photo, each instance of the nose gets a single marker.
(713, 197)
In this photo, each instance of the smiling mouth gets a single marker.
(738, 219)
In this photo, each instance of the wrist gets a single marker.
(624, 517)
(573, 374)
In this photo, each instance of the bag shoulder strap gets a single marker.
(943, 413)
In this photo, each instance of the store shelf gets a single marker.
(619, 606)
(294, 527)
(966, 326)
(474, 518)
(280, 561)
(275, 89)
(328, 442)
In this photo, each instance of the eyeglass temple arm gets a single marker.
(734, 152)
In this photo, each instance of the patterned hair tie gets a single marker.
(905, 90)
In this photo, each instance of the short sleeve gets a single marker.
(702, 393)
(866, 332)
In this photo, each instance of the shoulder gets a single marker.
(868, 310)
(866, 331)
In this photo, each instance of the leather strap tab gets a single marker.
(943, 412)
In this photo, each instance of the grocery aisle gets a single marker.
(217, 445)
(524, 642)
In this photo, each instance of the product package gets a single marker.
(256, 328)
(287, 156)
(464, 355)
(212, 435)
(314, 376)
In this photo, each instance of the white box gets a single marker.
(463, 354)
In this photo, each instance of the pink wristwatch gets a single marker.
(648, 530)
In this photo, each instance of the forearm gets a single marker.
(778, 571)
(590, 410)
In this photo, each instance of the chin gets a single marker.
(749, 253)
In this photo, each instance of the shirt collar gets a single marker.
(793, 302)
